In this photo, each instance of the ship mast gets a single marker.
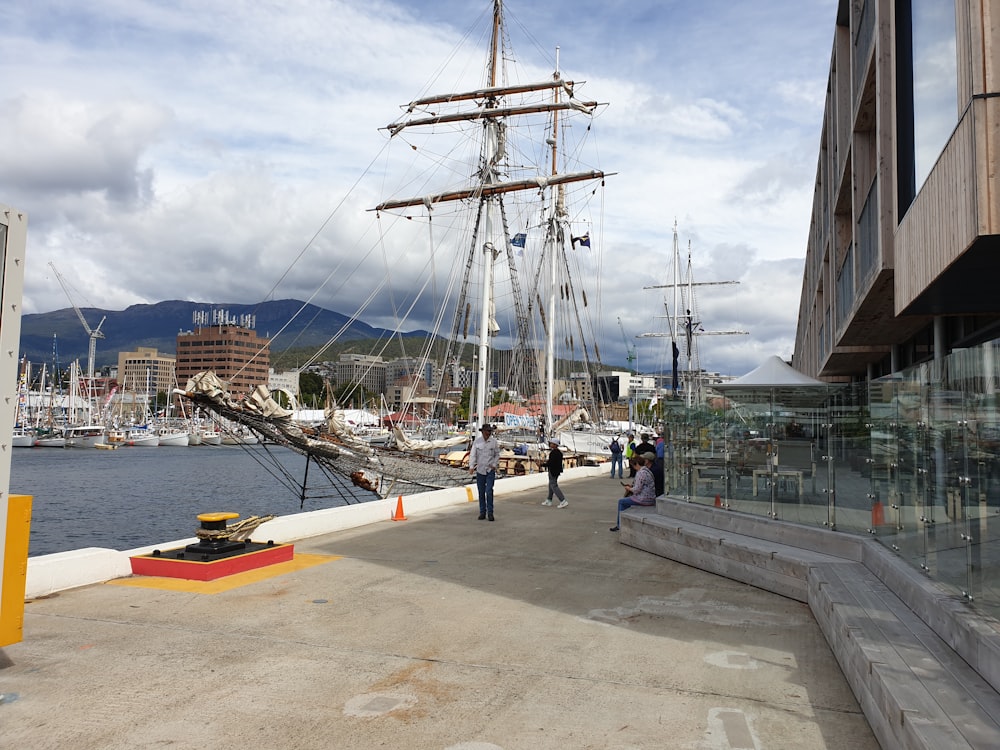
(682, 319)
(556, 208)
(489, 187)
(492, 154)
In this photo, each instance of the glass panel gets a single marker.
(912, 459)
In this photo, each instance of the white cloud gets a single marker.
(193, 150)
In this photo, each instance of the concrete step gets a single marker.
(922, 694)
(915, 689)
(763, 563)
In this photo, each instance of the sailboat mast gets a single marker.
(689, 328)
(495, 42)
(554, 198)
(491, 156)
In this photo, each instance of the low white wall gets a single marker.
(65, 570)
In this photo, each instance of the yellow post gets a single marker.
(14, 571)
(15, 510)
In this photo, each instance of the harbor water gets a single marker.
(134, 497)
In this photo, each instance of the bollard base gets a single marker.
(198, 563)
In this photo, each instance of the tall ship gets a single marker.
(496, 247)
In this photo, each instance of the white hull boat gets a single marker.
(142, 439)
(245, 439)
(83, 436)
(173, 438)
(211, 437)
(22, 438)
(51, 442)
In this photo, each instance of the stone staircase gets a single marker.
(923, 665)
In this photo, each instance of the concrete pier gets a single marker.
(540, 630)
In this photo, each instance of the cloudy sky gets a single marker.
(193, 149)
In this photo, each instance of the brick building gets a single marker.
(236, 354)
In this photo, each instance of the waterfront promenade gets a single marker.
(537, 631)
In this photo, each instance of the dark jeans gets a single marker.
(624, 504)
(658, 476)
(484, 483)
(554, 488)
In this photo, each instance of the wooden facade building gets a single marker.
(903, 255)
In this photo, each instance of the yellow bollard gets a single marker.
(14, 568)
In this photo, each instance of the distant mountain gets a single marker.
(60, 334)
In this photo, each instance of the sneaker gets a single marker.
(547, 502)
(482, 516)
(563, 504)
(613, 528)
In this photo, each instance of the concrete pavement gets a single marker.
(537, 631)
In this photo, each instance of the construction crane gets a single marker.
(93, 333)
(629, 348)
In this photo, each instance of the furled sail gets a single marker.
(383, 471)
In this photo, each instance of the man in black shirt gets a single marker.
(554, 464)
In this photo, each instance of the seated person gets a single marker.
(643, 489)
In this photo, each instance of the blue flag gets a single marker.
(584, 240)
(518, 239)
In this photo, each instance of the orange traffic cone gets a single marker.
(878, 514)
(398, 515)
(718, 501)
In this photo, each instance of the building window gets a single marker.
(927, 77)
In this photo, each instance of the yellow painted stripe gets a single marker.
(15, 569)
(468, 491)
(298, 562)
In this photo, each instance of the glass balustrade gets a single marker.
(912, 460)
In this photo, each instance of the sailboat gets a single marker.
(23, 435)
(50, 434)
(686, 327)
(516, 233)
(83, 431)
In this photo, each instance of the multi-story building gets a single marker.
(145, 371)
(235, 353)
(368, 371)
(899, 306)
(287, 381)
(406, 366)
(904, 247)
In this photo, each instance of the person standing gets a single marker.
(616, 457)
(643, 489)
(630, 454)
(483, 462)
(659, 462)
(645, 446)
(554, 463)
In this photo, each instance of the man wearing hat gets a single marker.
(643, 489)
(483, 461)
(555, 467)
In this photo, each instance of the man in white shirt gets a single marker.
(483, 462)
